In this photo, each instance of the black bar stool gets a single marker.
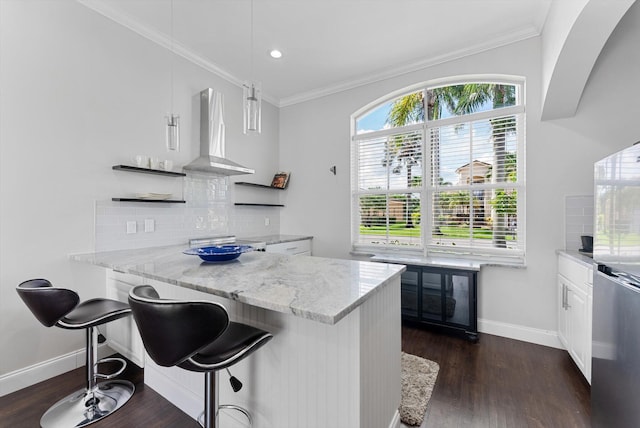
(62, 307)
(196, 336)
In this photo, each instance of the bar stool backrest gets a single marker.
(47, 303)
(174, 330)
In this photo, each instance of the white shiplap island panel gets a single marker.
(335, 357)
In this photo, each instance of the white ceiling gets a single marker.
(328, 45)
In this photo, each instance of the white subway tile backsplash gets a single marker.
(578, 220)
(573, 210)
(209, 211)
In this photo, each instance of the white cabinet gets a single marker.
(292, 248)
(575, 293)
(122, 335)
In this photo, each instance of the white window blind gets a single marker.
(450, 184)
(476, 213)
(389, 174)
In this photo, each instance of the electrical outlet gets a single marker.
(131, 227)
(149, 225)
(267, 222)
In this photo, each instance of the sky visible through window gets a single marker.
(374, 120)
(377, 120)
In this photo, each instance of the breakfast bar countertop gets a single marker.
(315, 288)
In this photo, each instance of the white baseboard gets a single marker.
(519, 332)
(39, 372)
(395, 422)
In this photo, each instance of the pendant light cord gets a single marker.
(251, 50)
(171, 60)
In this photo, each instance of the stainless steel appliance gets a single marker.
(212, 157)
(615, 378)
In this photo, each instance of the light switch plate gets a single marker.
(131, 227)
(149, 225)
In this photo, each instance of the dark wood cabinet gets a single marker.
(444, 298)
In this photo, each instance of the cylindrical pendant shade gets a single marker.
(252, 106)
(173, 132)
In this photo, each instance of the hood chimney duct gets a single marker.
(212, 157)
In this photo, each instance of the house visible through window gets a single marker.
(448, 181)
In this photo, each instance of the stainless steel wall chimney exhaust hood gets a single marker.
(212, 139)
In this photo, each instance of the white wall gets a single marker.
(560, 155)
(573, 37)
(561, 17)
(608, 112)
(78, 94)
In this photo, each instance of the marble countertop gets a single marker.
(277, 239)
(578, 256)
(315, 288)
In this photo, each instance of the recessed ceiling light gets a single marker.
(275, 53)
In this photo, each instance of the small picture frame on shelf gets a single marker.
(280, 180)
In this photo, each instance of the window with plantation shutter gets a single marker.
(440, 171)
(389, 179)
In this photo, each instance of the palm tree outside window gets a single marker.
(470, 145)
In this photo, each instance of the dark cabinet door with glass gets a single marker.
(409, 294)
(441, 297)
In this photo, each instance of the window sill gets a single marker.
(450, 262)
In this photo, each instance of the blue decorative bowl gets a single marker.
(219, 253)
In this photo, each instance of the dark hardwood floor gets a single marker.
(497, 382)
(500, 382)
(146, 409)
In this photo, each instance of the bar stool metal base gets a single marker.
(85, 407)
(210, 417)
(239, 409)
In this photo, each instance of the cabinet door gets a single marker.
(457, 299)
(446, 297)
(409, 283)
(589, 335)
(562, 312)
(578, 309)
(293, 248)
(432, 296)
(441, 297)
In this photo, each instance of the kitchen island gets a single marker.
(335, 357)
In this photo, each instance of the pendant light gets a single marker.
(173, 120)
(252, 97)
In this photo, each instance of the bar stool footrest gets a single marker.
(111, 375)
(242, 410)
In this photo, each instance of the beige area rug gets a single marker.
(418, 379)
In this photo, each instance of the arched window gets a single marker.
(440, 169)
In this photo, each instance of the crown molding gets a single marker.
(161, 39)
(496, 42)
(165, 41)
